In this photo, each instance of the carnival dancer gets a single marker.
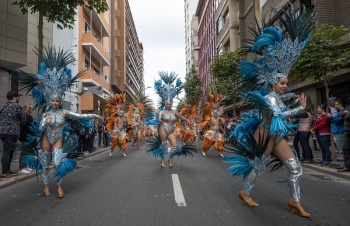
(115, 109)
(135, 114)
(264, 133)
(167, 118)
(189, 112)
(48, 88)
(212, 125)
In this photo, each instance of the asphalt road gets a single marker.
(135, 190)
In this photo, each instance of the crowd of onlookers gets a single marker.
(324, 128)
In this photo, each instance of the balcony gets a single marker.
(94, 46)
(99, 21)
(91, 78)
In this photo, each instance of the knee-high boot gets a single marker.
(44, 159)
(294, 175)
(258, 169)
(164, 147)
(57, 160)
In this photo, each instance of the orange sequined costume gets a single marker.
(210, 118)
(135, 114)
(115, 114)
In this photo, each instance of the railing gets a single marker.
(98, 40)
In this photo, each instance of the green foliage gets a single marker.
(181, 104)
(192, 87)
(225, 68)
(60, 11)
(325, 54)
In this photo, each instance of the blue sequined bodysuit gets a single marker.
(168, 116)
(54, 129)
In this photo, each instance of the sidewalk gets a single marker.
(15, 167)
(330, 170)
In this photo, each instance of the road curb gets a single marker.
(328, 170)
(7, 182)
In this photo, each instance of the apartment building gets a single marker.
(18, 39)
(206, 40)
(94, 56)
(190, 10)
(127, 71)
(194, 44)
(227, 23)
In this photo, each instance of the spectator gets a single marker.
(12, 117)
(100, 134)
(322, 130)
(304, 132)
(337, 121)
(346, 144)
(25, 131)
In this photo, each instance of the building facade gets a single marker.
(94, 56)
(206, 40)
(190, 18)
(18, 39)
(127, 71)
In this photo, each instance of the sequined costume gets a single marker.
(211, 120)
(256, 137)
(135, 114)
(115, 109)
(48, 87)
(157, 147)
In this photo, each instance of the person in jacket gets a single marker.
(12, 117)
(337, 124)
(322, 129)
(304, 132)
(346, 144)
(25, 132)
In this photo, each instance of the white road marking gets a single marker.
(179, 196)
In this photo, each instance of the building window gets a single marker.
(227, 46)
(226, 16)
(87, 28)
(96, 70)
(86, 64)
(218, 25)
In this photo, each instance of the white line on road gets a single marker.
(179, 196)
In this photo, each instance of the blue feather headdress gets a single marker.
(168, 90)
(277, 53)
(52, 79)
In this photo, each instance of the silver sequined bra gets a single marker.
(169, 116)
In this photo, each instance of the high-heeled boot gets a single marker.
(162, 164)
(170, 163)
(46, 190)
(245, 198)
(295, 173)
(244, 195)
(297, 206)
(60, 191)
(44, 159)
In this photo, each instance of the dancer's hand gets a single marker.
(47, 118)
(302, 98)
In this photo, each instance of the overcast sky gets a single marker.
(160, 26)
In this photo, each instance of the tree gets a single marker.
(324, 56)
(192, 87)
(61, 12)
(225, 68)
